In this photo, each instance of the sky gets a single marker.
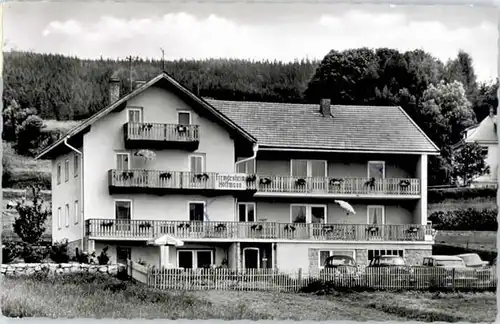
(249, 31)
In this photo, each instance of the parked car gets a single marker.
(389, 270)
(448, 271)
(341, 269)
(483, 271)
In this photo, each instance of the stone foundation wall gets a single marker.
(415, 256)
(20, 269)
(72, 246)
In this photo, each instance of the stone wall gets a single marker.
(20, 269)
(72, 246)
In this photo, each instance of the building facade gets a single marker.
(166, 177)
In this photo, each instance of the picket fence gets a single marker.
(408, 278)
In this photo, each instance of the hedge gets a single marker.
(465, 220)
(438, 195)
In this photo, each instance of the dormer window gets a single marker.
(184, 118)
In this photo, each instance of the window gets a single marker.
(184, 118)
(134, 115)
(193, 259)
(373, 253)
(123, 214)
(247, 167)
(66, 215)
(196, 211)
(375, 215)
(77, 212)
(246, 212)
(308, 213)
(76, 165)
(308, 168)
(59, 173)
(196, 164)
(122, 161)
(376, 169)
(59, 220)
(325, 254)
(66, 170)
(123, 254)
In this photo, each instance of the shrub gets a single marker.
(465, 220)
(23, 179)
(83, 257)
(103, 258)
(33, 254)
(59, 252)
(10, 251)
(438, 195)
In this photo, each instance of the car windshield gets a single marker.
(471, 259)
(339, 261)
(449, 263)
(392, 261)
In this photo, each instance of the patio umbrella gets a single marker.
(345, 205)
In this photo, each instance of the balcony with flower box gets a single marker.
(165, 182)
(272, 186)
(161, 136)
(107, 229)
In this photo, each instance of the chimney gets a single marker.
(139, 84)
(492, 112)
(114, 90)
(325, 107)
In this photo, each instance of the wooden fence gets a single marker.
(408, 278)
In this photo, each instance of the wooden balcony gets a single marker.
(185, 230)
(336, 187)
(161, 136)
(164, 182)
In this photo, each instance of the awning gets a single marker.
(166, 240)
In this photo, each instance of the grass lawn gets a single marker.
(99, 296)
(480, 240)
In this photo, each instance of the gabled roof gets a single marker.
(353, 128)
(483, 133)
(163, 76)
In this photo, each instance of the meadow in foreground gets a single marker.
(99, 296)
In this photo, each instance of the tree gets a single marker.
(468, 163)
(29, 136)
(29, 225)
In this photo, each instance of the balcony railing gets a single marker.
(337, 186)
(149, 229)
(154, 179)
(155, 134)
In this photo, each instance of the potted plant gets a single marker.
(145, 225)
(265, 181)
(300, 182)
(184, 225)
(201, 176)
(256, 227)
(146, 126)
(181, 128)
(127, 174)
(372, 229)
(404, 183)
(165, 175)
(289, 228)
(251, 178)
(336, 181)
(370, 183)
(107, 224)
(220, 227)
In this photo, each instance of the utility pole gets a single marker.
(162, 59)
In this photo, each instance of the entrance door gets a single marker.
(251, 258)
(123, 254)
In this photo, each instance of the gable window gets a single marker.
(325, 254)
(315, 214)
(66, 215)
(376, 169)
(59, 220)
(66, 170)
(184, 118)
(195, 259)
(77, 212)
(134, 115)
(246, 212)
(196, 211)
(197, 164)
(76, 165)
(59, 173)
(123, 161)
